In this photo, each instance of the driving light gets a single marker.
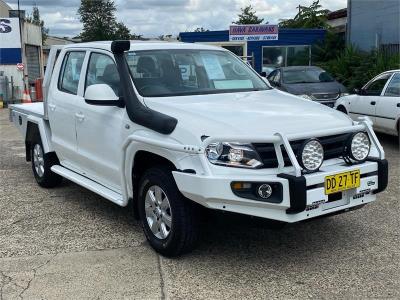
(311, 155)
(359, 146)
(233, 155)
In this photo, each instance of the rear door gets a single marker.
(366, 103)
(388, 106)
(62, 99)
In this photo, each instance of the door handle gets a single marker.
(80, 116)
(373, 102)
(398, 104)
(52, 106)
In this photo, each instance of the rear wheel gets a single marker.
(169, 220)
(41, 165)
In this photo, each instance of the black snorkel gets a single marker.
(137, 112)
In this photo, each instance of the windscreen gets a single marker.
(163, 73)
(306, 76)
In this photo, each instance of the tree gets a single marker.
(35, 19)
(314, 16)
(308, 17)
(248, 16)
(201, 29)
(99, 22)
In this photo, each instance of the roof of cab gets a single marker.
(144, 45)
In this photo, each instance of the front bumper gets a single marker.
(303, 196)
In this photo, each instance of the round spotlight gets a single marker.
(359, 146)
(264, 191)
(311, 155)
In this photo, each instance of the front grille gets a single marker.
(333, 148)
(325, 96)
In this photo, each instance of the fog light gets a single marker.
(264, 191)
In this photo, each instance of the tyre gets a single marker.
(41, 165)
(169, 220)
(342, 109)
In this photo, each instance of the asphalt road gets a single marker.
(69, 243)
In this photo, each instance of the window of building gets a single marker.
(283, 56)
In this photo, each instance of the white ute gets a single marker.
(169, 125)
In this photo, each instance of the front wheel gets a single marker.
(169, 220)
(41, 165)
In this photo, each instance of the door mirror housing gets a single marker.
(102, 95)
(359, 91)
(263, 74)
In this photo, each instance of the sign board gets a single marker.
(20, 67)
(254, 32)
(10, 41)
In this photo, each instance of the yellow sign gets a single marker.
(342, 182)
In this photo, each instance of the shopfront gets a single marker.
(290, 47)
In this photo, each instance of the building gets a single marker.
(374, 24)
(20, 51)
(52, 41)
(337, 20)
(292, 46)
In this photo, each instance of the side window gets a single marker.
(375, 87)
(393, 88)
(102, 70)
(71, 72)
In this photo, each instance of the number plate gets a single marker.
(342, 182)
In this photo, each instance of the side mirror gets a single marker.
(263, 74)
(102, 95)
(359, 91)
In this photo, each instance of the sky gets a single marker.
(152, 18)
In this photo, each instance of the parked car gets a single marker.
(379, 99)
(168, 125)
(309, 82)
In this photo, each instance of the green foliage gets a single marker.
(99, 22)
(329, 48)
(354, 68)
(35, 19)
(312, 16)
(201, 29)
(248, 16)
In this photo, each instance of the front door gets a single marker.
(388, 106)
(365, 104)
(62, 99)
(99, 132)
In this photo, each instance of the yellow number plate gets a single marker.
(342, 182)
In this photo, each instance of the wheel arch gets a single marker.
(142, 161)
(342, 108)
(37, 127)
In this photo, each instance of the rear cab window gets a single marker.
(68, 80)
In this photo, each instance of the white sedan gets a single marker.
(379, 99)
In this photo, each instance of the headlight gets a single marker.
(311, 155)
(358, 146)
(306, 97)
(343, 94)
(233, 155)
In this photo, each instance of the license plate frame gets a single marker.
(342, 182)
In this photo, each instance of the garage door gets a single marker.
(33, 63)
